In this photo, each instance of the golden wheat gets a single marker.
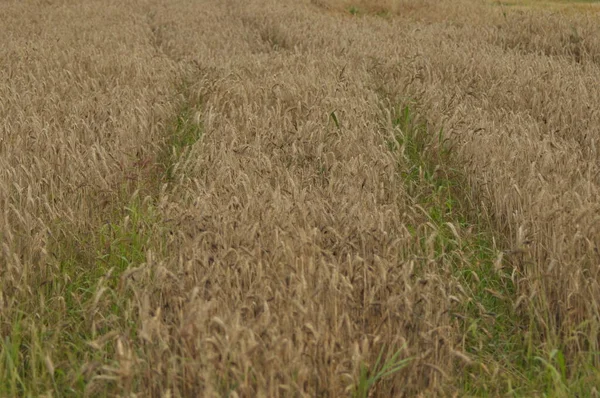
(261, 198)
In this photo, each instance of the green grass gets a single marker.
(500, 339)
(185, 131)
(369, 377)
(66, 331)
(86, 300)
(511, 352)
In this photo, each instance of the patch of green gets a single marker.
(85, 300)
(369, 377)
(334, 117)
(50, 347)
(184, 133)
(63, 334)
(353, 10)
(501, 339)
(119, 243)
(504, 334)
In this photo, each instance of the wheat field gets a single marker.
(299, 198)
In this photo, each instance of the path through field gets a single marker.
(298, 198)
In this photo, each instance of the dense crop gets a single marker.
(299, 198)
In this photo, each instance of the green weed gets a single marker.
(369, 377)
(185, 132)
(494, 331)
